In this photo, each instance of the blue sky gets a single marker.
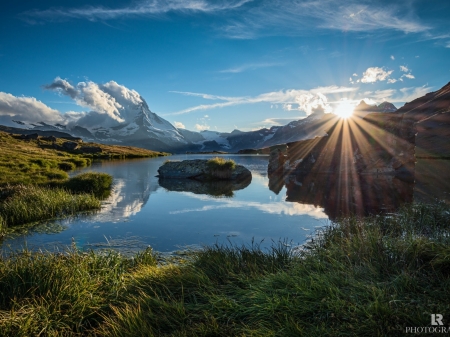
(221, 65)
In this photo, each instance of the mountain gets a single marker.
(431, 115)
(136, 125)
(363, 109)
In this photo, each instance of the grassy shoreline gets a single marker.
(35, 186)
(372, 276)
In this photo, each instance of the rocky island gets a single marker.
(205, 170)
(217, 177)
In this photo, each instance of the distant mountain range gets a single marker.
(143, 128)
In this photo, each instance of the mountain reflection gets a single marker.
(132, 187)
(345, 194)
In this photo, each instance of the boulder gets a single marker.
(198, 169)
(70, 145)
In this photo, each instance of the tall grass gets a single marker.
(372, 277)
(96, 183)
(220, 168)
(31, 203)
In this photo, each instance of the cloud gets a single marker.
(179, 125)
(292, 17)
(404, 69)
(286, 208)
(380, 95)
(109, 103)
(398, 96)
(202, 127)
(246, 67)
(392, 57)
(250, 19)
(62, 86)
(27, 109)
(279, 121)
(146, 8)
(410, 76)
(374, 74)
(292, 99)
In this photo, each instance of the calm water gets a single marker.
(172, 214)
(140, 213)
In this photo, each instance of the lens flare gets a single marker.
(344, 109)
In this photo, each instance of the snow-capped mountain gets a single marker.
(133, 123)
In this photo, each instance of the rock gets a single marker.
(49, 139)
(90, 149)
(198, 169)
(276, 161)
(70, 145)
(30, 136)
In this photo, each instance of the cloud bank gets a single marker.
(109, 103)
(26, 109)
(292, 99)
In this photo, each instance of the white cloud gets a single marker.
(392, 57)
(109, 102)
(410, 76)
(202, 127)
(147, 8)
(27, 109)
(374, 74)
(355, 75)
(391, 80)
(404, 69)
(303, 100)
(379, 95)
(179, 125)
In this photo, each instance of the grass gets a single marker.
(372, 276)
(220, 168)
(30, 203)
(33, 162)
(91, 182)
(35, 186)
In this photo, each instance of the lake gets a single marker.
(142, 211)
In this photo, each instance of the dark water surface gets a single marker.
(169, 215)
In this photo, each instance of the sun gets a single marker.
(344, 109)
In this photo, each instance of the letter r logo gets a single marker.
(436, 319)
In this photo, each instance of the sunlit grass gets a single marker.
(220, 168)
(30, 203)
(371, 276)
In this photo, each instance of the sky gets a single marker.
(217, 64)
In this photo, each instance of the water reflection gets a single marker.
(144, 211)
(221, 188)
(345, 194)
